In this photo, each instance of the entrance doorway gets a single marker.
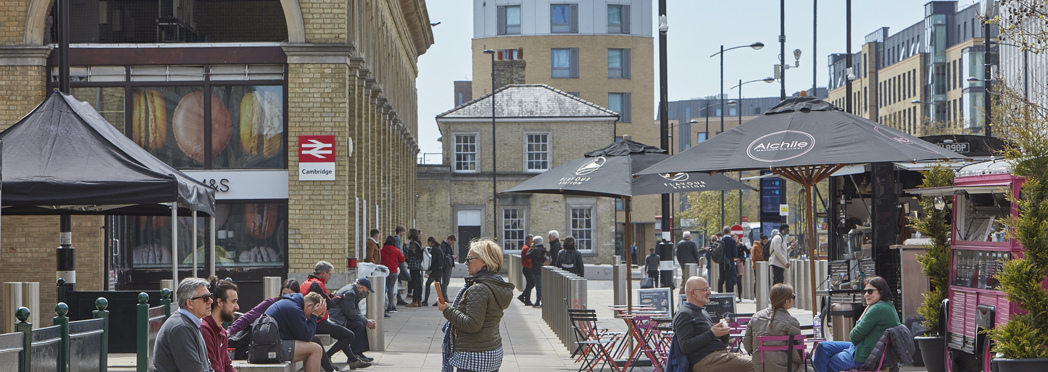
(467, 230)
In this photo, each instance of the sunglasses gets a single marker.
(869, 291)
(206, 297)
(468, 259)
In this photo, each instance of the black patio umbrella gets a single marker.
(609, 172)
(805, 140)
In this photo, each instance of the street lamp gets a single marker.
(494, 195)
(756, 46)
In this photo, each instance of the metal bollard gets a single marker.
(376, 307)
(689, 270)
(270, 286)
(12, 300)
(167, 283)
(803, 285)
(747, 279)
(763, 278)
(515, 274)
(714, 275)
(618, 282)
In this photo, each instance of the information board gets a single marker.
(721, 305)
(658, 298)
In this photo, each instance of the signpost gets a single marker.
(316, 158)
(737, 231)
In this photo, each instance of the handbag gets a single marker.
(647, 283)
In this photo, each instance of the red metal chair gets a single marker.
(790, 344)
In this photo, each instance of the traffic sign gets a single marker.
(737, 231)
(316, 158)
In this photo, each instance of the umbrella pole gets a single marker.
(627, 201)
(811, 248)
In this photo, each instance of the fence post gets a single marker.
(142, 332)
(61, 290)
(27, 339)
(165, 301)
(101, 304)
(63, 323)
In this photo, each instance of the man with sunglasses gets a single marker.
(179, 344)
(700, 338)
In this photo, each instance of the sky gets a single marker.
(697, 29)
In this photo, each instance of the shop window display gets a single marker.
(248, 234)
(245, 125)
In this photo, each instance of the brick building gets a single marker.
(537, 128)
(601, 51)
(250, 77)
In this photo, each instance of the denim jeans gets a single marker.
(834, 356)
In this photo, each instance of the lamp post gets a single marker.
(664, 124)
(494, 195)
(738, 111)
(756, 46)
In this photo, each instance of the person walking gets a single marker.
(391, 259)
(448, 248)
(779, 259)
(471, 334)
(529, 278)
(651, 265)
(436, 267)
(373, 252)
(413, 256)
(726, 280)
(633, 254)
(570, 259)
(538, 255)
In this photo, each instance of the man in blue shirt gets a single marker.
(297, 322)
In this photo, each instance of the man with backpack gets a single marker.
(779, 259)
(726, 280)
(538, 256)
(296, 323)
(687, 252)
(447, 246)
(570, 259)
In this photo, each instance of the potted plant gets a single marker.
(935, 225)
(1022, 342)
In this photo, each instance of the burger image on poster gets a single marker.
(148, 119)
(188, 125)
(261, 124)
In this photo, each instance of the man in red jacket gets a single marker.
(216, 339)
(318, 283)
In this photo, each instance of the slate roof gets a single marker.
(534, 101)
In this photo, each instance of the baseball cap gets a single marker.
(366, 283)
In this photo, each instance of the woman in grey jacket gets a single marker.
(775, 320)
(471, 334)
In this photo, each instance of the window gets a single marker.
(536, 152)
(700, 137)
(618, 63)
(620, 103)
(513, 228)
(618, 19)
(582, 227)
(509, 20)
(565, 63)
(564, 18)
(465, 152)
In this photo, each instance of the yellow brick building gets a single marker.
(253, 78)
(537, 128)
(601, 51)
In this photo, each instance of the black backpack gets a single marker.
(265, 347)
(717, 252)
(766, 251)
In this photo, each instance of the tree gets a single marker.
(704, 208)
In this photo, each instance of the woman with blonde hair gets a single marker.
(471, 335)
(775, 320)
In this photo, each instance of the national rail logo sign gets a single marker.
(316, 158)
(786, 145)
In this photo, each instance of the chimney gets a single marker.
(509, 67)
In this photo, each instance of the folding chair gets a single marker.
(594, 345)
(880, 365)
(791, 344)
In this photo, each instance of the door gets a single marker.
(467, 230)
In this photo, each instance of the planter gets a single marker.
(1020, 365)
(933, 351)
